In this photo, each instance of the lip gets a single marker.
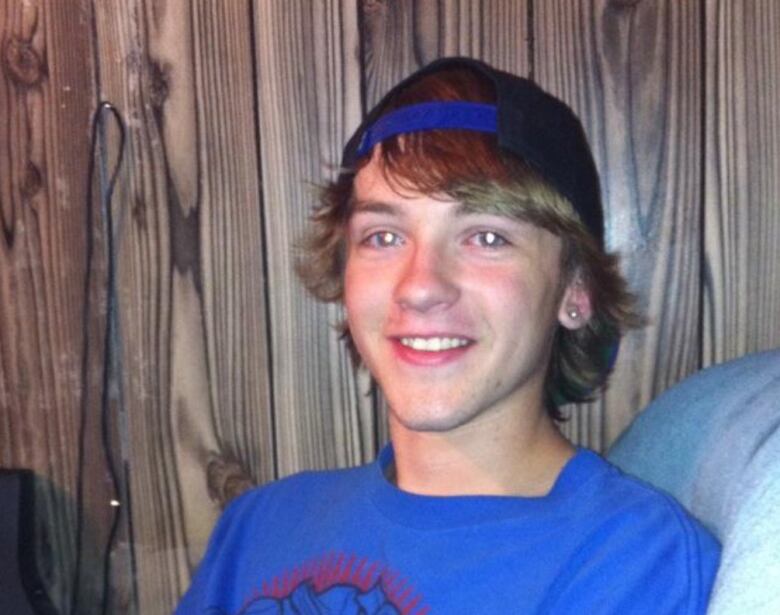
(428, 358)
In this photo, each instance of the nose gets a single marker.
(427, 281)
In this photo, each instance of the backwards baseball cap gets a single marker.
(528, 122)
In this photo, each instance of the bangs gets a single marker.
(438, 161)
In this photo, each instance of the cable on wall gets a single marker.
(107, 183)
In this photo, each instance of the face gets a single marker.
(452, 311)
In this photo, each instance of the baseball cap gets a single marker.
(528, 122)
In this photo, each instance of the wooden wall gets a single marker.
(224, 373)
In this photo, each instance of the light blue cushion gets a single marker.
(713, 442)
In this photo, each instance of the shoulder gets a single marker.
(259, 520)
(615, 496)
(288, 503)
(638, 549)
(625, 505)
(285, 494)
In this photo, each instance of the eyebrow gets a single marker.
(376, 207)
(381, 207)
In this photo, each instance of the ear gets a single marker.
(576, 308)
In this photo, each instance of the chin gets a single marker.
(429, 418)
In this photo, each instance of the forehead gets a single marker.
(372, 182)
(377, 193)
(376, 190)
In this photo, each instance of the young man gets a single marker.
(464, 236)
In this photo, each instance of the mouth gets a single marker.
(431, 351)
(433, 344)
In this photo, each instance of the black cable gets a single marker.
(111, 334)
(111, 329)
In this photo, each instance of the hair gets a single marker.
(469, 167)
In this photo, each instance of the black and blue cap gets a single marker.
(528, 122)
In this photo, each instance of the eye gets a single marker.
(488, 239)
(382, 239)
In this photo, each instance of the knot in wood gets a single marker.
(32, 182)
(226, 479)
(159, 83)
(22, 63)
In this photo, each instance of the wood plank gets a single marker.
(400, 37)
(631, 71)
(52, 312)
(196, 414)
(742, 179)
(193, 295)
(309, 100)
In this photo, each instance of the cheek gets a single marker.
(515, 297)
(363, 296)
(354, 284)
(351, 301)
(503, 291)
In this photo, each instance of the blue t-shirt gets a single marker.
(348, 542)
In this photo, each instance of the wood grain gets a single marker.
(631, 70)
(309, 100)
(52, 311)
(742, 180)
(399, 37)
(193, 295)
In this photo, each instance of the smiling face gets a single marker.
(452, 310)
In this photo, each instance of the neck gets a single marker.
(495, 455)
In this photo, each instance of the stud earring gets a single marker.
(574, 313)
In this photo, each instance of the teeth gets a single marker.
(433, 344)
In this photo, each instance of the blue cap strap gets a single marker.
(430, 116)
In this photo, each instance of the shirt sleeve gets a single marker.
(198, 599)
(657, 561)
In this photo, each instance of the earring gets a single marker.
(574, 313)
